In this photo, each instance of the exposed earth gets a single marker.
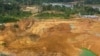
(30, 37)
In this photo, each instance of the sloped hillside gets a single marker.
(50, 37)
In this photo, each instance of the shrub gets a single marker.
(51, 15)
(5, 19)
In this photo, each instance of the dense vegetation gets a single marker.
(10, 12)
(92, 1)
(29, 2)
(50, 11)
(86, 10)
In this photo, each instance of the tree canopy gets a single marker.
(28, 2)
(92, 1)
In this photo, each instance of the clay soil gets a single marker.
(50, 37)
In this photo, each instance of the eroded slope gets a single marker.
(50, 38)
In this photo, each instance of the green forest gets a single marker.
(92, 1)
(30, 2)
(10, 10)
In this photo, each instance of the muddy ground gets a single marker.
(50, 37)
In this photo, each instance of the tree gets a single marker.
(92, 1)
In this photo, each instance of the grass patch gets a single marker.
(13, 17)
(21, 14)
(5, 19)
(51, 15)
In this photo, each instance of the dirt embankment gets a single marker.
(50, 38)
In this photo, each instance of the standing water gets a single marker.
(86, 52)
